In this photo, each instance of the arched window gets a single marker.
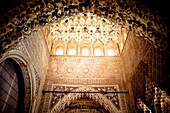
(11, 87)
(59, 50)
(98, 51)
(71, 50)
(85, 51)
(110, 51)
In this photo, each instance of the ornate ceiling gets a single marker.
(84, 26)
(90, 30)
(89, 22)
(29, 17)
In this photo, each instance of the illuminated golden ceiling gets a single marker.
(83, 33)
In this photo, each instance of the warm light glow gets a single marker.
(59, 51)
(97, 51)
(125, 36)
(85, 25)
(124, 32)
(87, 28)
(121, 46)
(85, 51)
(110, 52)
(72, 51)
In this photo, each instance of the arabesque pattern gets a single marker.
(58, 96)
(109, 102)
(19, 23)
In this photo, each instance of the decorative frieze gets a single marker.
(85, 81)
(85, 70)
(61, 88)
(85, 67)
(37, 80)
(60, 100)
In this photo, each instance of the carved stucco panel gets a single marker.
(85, 68)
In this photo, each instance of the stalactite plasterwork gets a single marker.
(19, 23)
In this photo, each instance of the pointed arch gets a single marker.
(12, 87)
(30, 83)
(67, 99)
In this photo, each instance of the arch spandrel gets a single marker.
(40, 13)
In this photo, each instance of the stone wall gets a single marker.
(37, 51)
(138, 83)
(144, 63)
(151, 72)
(134, 51)
(158, 64)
